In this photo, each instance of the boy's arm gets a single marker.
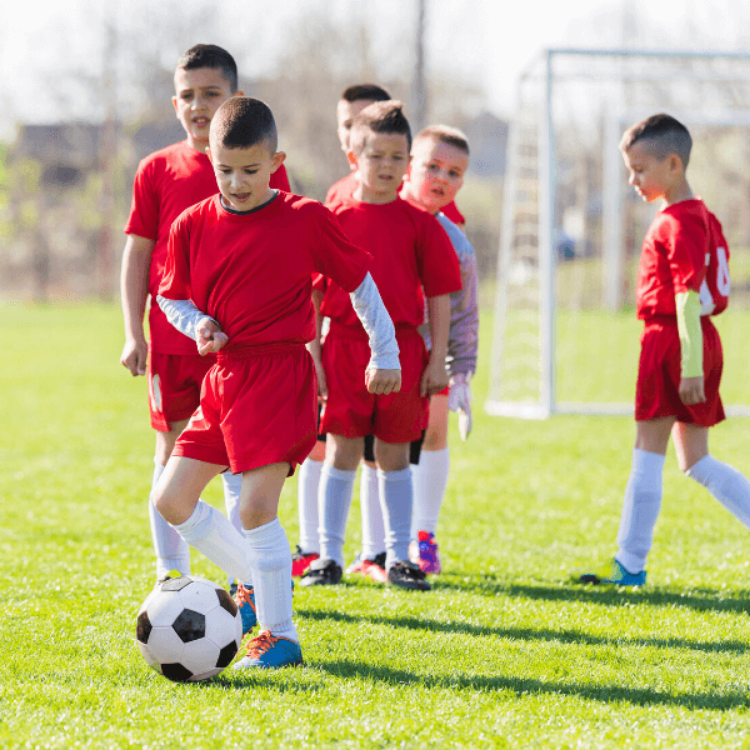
(691, 388)
(189, 320)
(134, 275)
(463, 339)
(435, 376)
(314, 346)
(383, 374)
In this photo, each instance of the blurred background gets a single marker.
(86, 86)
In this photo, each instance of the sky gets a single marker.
(45, 46)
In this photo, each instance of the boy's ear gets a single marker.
(277, 160)
(208, 154)
(352, 159)
(174, 104)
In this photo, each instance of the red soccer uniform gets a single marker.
(343, 190)
(684, 250)
(166, 183)
(252, 273)
(411, 252)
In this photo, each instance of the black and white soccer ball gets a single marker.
(189, 629)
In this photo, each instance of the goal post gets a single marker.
(565, 337)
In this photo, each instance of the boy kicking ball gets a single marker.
(683, 279)
(238, 280)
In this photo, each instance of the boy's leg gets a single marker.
(335, 498)
(232, 488)
(724, 482)
(643, 494)
(172, 551)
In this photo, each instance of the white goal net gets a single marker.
(566, 337)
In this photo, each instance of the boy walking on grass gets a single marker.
(683, 279)
(166, 183)
(238, 280)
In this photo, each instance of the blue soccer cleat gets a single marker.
(618, 576)
(269, 652)
(245, 601)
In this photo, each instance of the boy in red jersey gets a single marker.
(166, 183)
(238, 280)
(683, 278)
(411, 251)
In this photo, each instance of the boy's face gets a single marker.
(381, 165)
(198, 94)
(436, 173)
(243, 174)
(345, 114)
(652, 177)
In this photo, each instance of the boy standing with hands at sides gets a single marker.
(439, 159)
(683, 278)
(166, 183)
(411, 252)
(238, 281)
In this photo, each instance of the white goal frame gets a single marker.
(545, 402)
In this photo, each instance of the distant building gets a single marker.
(488, 139)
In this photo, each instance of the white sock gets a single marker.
(430, 480)
(232, 487)
(396, 500)
(726, 484)
(271, 560)
(307, 502)
(640, 510)
(334, 501)
(172, 552)
(211, 533)
(373, 528)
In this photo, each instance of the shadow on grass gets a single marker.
(527, 634)
(701, 600)
(529, 686)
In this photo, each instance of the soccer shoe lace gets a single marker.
(426, 553)
(301, 561)
(406, 575)
(245, 601)
(267, 651)
(617, 576)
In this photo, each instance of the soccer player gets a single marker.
(411, 251)
(238, 280)
(166, 183)
(683, 279)
(439, 159)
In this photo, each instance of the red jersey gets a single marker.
(684, 249)
(166, 183)
(411, 251)
(344, 189)
(252, 272)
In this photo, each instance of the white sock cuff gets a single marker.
(701, 470)
(345, 475)
(647, 462)
(402, 475)
(263, 533)
(200, 514)
(368, 473)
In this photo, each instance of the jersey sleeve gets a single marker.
(686, 243)
(175, 283)
(336, 257)
(438, 266)
(280, 180)
(143, 220)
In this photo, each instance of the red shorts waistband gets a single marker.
(345, 332)
(259, 350)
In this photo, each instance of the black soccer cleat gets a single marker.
(407, 575)
(322, 572)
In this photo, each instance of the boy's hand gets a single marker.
(134, 355)
(691, 391)
(459, 400)
(209, 337)
(322, 383)
(382, 382)
(434, 377)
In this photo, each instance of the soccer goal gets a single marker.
(565, 336)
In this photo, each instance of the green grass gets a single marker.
(504, 652)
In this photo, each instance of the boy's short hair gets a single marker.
(211, 56)
(365, 92)
(444, 134)
(663, 134)
(380, 117)
(241, 122)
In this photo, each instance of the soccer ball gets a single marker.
(189, 629)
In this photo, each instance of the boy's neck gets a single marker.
(198, 146)
(679, 192)
(406, 194)
(364, 195)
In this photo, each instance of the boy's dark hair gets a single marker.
(380, 117)
(211, 56)
(664, 135)
(445, 134)
(365, 92)
(241, 122)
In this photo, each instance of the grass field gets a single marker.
(504, 652)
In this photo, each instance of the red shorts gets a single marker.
(351, 411)
(258, 407)
(174, 386)
(657, 390)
